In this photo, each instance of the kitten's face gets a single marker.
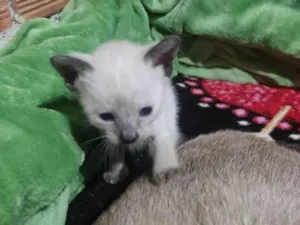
(123, 102)
(121, 86)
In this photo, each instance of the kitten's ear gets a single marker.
(164, 52)
(70, 67)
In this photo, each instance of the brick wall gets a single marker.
(5, 16)
(28, 9)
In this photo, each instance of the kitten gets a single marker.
(226, 178)
(126, 92)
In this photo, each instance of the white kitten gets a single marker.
(126, 92)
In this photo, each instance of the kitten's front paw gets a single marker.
(162, 177)
(164, 169)
(115, 176)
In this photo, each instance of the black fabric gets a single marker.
(193, 120)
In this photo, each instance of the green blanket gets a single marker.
(241, 41)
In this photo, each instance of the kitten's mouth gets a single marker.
(139, 143)
(129, 142)
(131, 146)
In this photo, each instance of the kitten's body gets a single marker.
(227, 178)
(126, 92)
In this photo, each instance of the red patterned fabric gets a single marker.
(258, 98)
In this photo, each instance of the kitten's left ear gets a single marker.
(164, 52)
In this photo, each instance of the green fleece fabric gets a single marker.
(268, 24)
(39, 157)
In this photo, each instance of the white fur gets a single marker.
(123, 82)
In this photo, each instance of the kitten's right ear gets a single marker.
(69, 67)
(164, 52)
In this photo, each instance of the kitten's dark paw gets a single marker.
(115, 176)
(162, 177)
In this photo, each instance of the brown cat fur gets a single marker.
(226, 178)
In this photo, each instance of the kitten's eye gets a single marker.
(145, 111)
(107, 116)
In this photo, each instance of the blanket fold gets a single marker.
(270, 26)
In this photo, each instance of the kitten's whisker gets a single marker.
(103, 146)
(93, 139)
(100, 145)
(146, 144)
(109, 150)
(106, 151)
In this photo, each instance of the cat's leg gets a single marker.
(118, 170)
(165, 163)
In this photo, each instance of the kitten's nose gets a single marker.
(129, 137)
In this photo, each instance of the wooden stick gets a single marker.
(275, 120)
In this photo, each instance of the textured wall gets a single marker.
(5, 15)
(27, 9)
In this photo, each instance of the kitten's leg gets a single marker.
(118, 170)
(165, 162)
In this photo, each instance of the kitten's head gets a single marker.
(121, 86)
